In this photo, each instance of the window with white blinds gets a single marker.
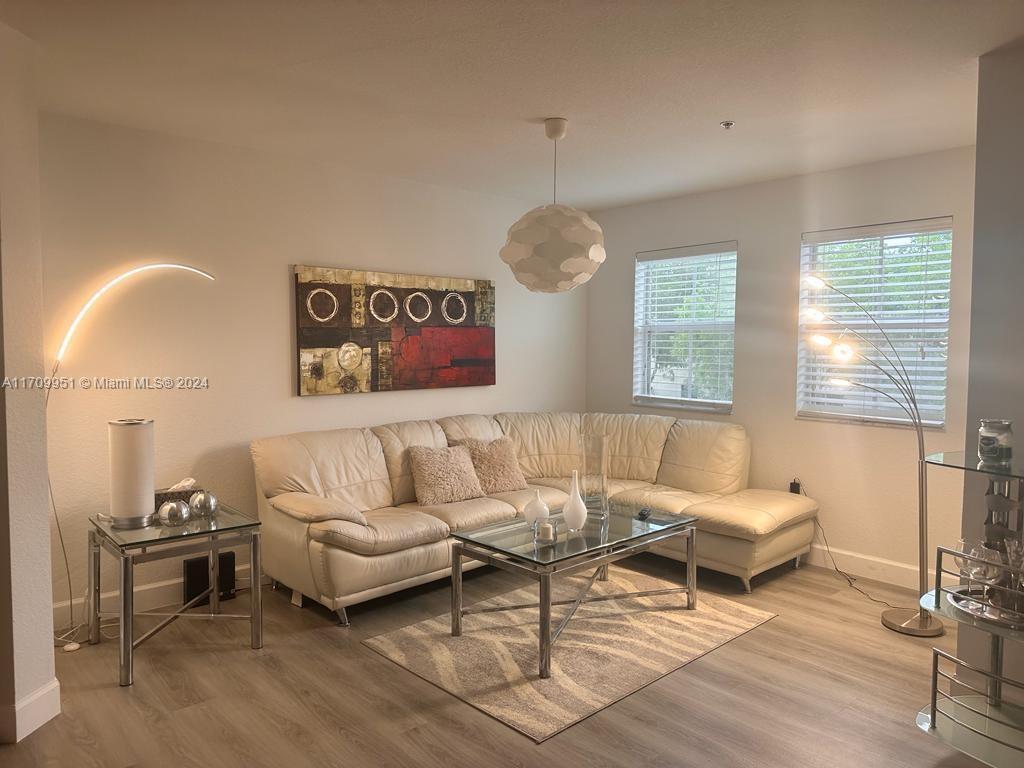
(684, 325)
(900, 274)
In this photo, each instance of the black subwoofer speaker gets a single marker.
(196, 577)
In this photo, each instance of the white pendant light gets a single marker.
(554, 248)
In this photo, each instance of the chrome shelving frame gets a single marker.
(980, 723)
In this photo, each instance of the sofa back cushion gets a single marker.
(343, 464)
(396, 439)
(548, 444)
(706, 457)
(470, 425)
(635, 442)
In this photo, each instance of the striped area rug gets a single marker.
(609, 650)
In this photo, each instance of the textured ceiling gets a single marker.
(452, 92)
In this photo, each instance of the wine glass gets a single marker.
(965, 546)
(1015, 559)
(988, 572)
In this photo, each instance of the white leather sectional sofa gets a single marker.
(341, 524)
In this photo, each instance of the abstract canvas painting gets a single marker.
(360, 331)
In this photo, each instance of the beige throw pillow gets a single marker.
(443, 475)
(496, 464)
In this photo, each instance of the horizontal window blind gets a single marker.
(684, 326)
(900, 273)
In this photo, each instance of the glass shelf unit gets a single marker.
(969, 462)
(986, 722)
(991, 735)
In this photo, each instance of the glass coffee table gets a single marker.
(206, 535)
(605, 538)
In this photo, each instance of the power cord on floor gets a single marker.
(851, 580)
(67, 638)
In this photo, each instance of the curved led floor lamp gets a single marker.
(61, 351)
(908, 621)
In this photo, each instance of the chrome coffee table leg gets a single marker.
(691, 569)
(456, 589)
(545, 625)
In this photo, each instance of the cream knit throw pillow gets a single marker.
(443, 475)
(496, 464)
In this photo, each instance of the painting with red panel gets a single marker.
(364, 331)
(428, 357)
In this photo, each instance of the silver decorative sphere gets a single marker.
(203, 504)
(174, 513)
(554, 248)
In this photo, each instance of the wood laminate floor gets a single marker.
(821, 685)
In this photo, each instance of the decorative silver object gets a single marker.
(174, 513)
(203, 504)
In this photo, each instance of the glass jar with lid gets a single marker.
(995, 441)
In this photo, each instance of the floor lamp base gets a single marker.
(912, 621)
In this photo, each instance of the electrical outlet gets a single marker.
(794, 485)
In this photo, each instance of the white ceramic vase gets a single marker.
(575, 511)
(536, 509)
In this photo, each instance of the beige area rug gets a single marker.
(609, 650)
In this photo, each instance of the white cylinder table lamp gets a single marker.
(132, 491)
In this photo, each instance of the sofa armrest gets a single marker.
(310, 508)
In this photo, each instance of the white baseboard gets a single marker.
(19, 719)
(148, 597)
(868, 566)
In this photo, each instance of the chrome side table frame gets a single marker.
(542, 573)
(129, 556)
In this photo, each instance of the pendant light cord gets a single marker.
(554, 183)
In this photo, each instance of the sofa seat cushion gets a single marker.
(753, 514)
(386, 530)
(553, 497)
(469, 514)
(661, 498)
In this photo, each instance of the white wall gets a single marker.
(29, 692)
(863, 476)
(115, 197)
(997, 346)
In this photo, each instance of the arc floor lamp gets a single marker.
(61, 351)
(908, 621)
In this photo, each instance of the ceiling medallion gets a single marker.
(554, 248)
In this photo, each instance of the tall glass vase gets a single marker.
(594, 477)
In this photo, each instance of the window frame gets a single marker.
(645, 330)
(815, 239)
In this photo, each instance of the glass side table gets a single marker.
(227, 528)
